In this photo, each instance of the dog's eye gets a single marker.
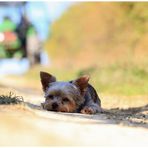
(50, 97)
(65, 100)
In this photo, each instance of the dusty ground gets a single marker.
(27, 124)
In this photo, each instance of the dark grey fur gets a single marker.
(78, 91)
(91, 99)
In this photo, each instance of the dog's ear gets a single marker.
(82, 83)
(46, 78)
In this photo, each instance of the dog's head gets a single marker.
(63, 96)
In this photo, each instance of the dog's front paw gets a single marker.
(88, 110)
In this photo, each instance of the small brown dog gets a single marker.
(73, 96)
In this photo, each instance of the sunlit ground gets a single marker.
(46, 128)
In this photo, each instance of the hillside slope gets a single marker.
(100, 34)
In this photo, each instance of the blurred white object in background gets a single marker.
(2, 37)
(45, 60)
(14, 66)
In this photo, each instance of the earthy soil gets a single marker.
(123, 123)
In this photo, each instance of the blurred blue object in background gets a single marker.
(14, 66)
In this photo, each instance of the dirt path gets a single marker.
(27, 124)
(23, 126)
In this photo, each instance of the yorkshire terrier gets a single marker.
(76, 96)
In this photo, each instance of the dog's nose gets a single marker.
(54, 105)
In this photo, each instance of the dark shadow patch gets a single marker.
(33, 106)
(135, 117)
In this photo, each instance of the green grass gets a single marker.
(130, 80)
(10, 99)
(115, 79)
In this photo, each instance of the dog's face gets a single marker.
(63, 96)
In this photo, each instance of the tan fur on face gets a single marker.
(67, 107)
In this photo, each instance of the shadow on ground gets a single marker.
(136, 116)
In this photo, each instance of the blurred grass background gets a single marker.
(108, 41)
(113, 80)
